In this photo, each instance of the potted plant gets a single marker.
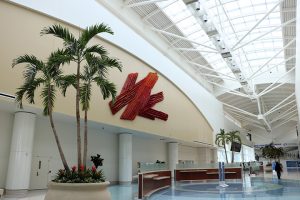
(92, 65)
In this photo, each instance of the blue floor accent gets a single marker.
(256, 188)
(123, 192)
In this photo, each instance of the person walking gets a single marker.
(278, 169)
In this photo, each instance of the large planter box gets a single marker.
(78, 191)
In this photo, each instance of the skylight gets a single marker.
(234, 19)
(190, 27)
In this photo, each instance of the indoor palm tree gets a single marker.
(95, 71)
(77, 50)
(233, 137)
(271, 152)
(47, 76)
(221, 140)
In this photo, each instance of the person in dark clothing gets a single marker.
(278, 169)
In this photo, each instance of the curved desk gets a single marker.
(150, 182)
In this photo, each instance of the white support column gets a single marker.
(125, 158)
(19, 166)
(172, 156)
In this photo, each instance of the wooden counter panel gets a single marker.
(205, 174)
(153, 181)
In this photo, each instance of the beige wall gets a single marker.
(100, 141)
(20, 34)
(147, 150)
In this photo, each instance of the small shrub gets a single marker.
(80, 176)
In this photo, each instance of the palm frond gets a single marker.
(48, 97)
(19, 96)
(60, 32)
(111, 63)
(59, 57)
(96, 49)
(92, 31)
(34, 65)
(28, 90)
(30, 59)
(64, 82)
(85, 95)
(88, 73)
(107, 88)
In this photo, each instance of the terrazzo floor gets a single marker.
(261, 187)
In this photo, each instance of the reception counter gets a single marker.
(206, 174)
(150, 182)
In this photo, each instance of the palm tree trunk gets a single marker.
(232, 156)
(85, 138)
(79, 161)
(61, 153)
(225, 153)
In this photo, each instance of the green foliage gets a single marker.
(234, 137)
(84, 176)
(92, 63)
(222, 138)
(272, 152)
(39, 74)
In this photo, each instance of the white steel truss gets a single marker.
(199, 53)
(280, 105)
(264, 17)
(128, 4)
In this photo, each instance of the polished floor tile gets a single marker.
(265, 186)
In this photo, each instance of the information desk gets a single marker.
(150, 182)
(205, 174)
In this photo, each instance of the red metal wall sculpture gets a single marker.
(138, 98)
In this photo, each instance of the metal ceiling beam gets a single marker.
(130, 5)
(175, 23)
(286, 121)
(257, 23)
(210, 69)
(284, 105)
(283, 114)
(260, 116)
(278, 106)
(216, 76)
(272, 30)
(216, 38)
(230, 91)
(240, 110)
(269, 88)
(181, 37)
(192, 49)
(156, 11)
(243, 117)
(266, 63)
(282, 62)
(286, 114)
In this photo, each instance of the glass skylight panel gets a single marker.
(239, 17)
